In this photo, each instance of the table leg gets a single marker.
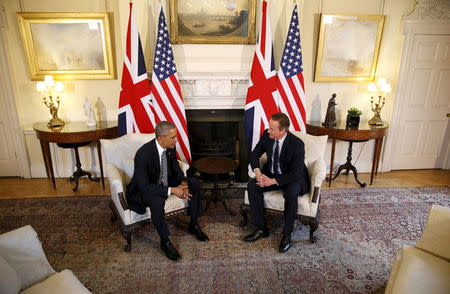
(333, 145)
(374, 160)
(99, 149)
(379, 155)
(46, 154)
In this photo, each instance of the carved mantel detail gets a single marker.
(223, 90)
(431, 10)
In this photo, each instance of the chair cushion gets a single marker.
(9, 281)
(420, 272)
(436, 234)
(63, 282)
(172, 203)
(274, 200)
(314, 146)
(23, 251)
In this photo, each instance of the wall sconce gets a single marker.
(381, 88)
(49, 85)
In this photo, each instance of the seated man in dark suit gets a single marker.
(157, 174)
(285, 170)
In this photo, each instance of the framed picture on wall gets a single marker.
(213, 22)
(67, 45)
(348, 47)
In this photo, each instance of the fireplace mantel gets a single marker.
(221, 90)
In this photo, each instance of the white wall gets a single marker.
(201, 58)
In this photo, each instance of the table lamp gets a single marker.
(381, 88)
(49, 85)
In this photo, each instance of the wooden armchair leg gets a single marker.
(244, 210)
(312, 228)
(126, 233)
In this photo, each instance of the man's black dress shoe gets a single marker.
(198, 233)
(170, 250)
(285, 243)
(256, 235)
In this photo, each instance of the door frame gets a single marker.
(410, 30)
(11, 109)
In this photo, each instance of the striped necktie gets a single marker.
(163, 172)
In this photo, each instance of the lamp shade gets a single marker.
(371, 87)
(40, 86)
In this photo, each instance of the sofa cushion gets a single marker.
(9, 281)
(420, 272)
(436, 234)
(22, 249)
(62, 282)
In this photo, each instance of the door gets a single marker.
(423, 140)
(10, 164)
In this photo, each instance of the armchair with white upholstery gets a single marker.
(119, 154)
(308, 204)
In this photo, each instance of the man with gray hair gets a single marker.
(157, 174)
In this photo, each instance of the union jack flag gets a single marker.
(262, 93)
(135, 113)
(166, 92)
(291, 86)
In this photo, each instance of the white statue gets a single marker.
(89, 112)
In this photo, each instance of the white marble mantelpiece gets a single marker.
(222, 90)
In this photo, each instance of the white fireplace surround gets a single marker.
(221, 90)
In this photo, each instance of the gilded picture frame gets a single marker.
(213, 22)
(348, 47)
(70, 46)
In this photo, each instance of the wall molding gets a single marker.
(431, 10)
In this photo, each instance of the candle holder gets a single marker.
(382, 87)
(49, 85)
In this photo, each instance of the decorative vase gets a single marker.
(352, 121)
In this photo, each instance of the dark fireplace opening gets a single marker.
(218, 133)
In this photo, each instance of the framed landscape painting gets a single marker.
(67, 45)
(348, 47)
(213, 22)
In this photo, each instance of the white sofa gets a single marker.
(425, 268)
(308, 204)
(24, 268)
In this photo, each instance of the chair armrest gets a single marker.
(115, 178)
(262, 161)
(318, 173)
(184, 166)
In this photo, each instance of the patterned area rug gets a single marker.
(360, 232)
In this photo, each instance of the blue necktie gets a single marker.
(276, 163)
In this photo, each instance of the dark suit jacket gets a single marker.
(146, 175)
(292, 160)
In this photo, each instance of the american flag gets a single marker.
(291, 86)
(135, 113)
(262, 93)
(166, 92)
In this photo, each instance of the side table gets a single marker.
(74, 135)
(216, 166)
(364, 132)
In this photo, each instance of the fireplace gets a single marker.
(219, 132)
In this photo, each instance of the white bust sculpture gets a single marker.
(89, 112)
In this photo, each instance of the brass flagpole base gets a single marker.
(376, 120)
(55, 123)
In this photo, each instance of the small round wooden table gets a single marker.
(216, 166)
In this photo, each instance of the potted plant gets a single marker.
(353, 115)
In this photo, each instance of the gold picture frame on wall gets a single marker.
(348, 47)
(213, 22)
(75, 46)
